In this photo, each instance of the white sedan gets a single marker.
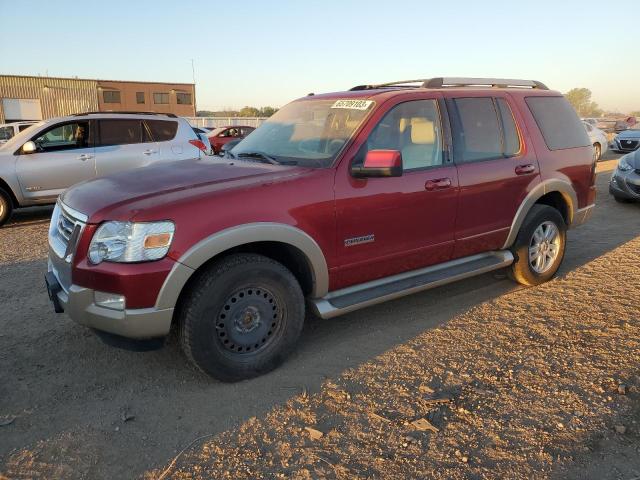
(598, 140)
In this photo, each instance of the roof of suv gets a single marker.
(441, 84)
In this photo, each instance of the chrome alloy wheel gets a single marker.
(544, 247)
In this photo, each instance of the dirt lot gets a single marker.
(519, 383)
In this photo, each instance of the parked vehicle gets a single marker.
(598, 140)
(625, 180)
(627, 140)
(337, 202)
(227, 147)
(219, 136)
(206, 145)
(39, 163)
(9, 130)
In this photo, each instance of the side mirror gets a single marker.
(380, 163)
(29, 147)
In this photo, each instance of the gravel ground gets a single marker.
(518, 383)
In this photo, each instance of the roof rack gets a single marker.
(172, 115)
(441, 82)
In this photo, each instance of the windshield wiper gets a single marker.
(260, 156)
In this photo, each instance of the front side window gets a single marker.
(307, 132)
(111, 96)
(67, 136)
(139, 97)
(120, 132)
(183, 98)
(412, 128)
(161, 98)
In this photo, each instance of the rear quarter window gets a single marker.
(162, 130)
(558, 122)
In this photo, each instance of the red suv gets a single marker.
(337, 202)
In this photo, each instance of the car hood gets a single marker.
(122, 194)
(629, 134)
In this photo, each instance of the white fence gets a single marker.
(214, 122)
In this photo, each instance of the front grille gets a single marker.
(629, 144)
(64, 232)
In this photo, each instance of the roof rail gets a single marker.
(172, 115)
(441, 82)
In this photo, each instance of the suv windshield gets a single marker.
(309, 133)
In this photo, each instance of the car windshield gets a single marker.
(17, 140)
(309, 133)
(216, 131)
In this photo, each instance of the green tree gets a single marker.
(580, 98)
(267, 111)
(249, 112)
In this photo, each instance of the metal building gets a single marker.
(38, 98)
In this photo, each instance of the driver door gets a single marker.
(64, 156)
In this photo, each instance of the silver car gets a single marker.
(625, 180)
(41, 162)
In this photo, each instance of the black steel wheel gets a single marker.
(241, 317)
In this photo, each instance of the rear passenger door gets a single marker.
(495, 170)
(123, 144)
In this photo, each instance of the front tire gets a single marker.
(6, 207)
(242, 317)
(597, 152)
(539, 247)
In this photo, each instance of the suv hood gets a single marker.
(116, 195)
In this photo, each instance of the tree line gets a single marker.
(580, 98)
(243, 112)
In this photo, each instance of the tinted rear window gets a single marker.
(558, 122)
(480, 138)
(162, 130)
(120, 132)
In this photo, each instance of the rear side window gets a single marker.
(558, 122)
(120, 132)
(162, 130)
(484, 129)
(479, 136)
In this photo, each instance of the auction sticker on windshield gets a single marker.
(353, 104)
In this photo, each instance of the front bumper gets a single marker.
(625, 146)
(625, 184)
(78, 303)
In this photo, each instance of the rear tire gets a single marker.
(6, 207)
(242, 317)
(539, 247)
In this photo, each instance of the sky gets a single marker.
(270, 52)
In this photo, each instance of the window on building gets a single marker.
(161, 98)
(139, 97)
(111, 96)
(183, 98)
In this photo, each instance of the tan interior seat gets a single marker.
(420, 147)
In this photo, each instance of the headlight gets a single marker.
(131, 242)
(623, 165)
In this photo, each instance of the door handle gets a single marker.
(437, 184)
(84, 157)
(525, 169)
(150, 152)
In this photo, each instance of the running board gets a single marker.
(363, 295)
